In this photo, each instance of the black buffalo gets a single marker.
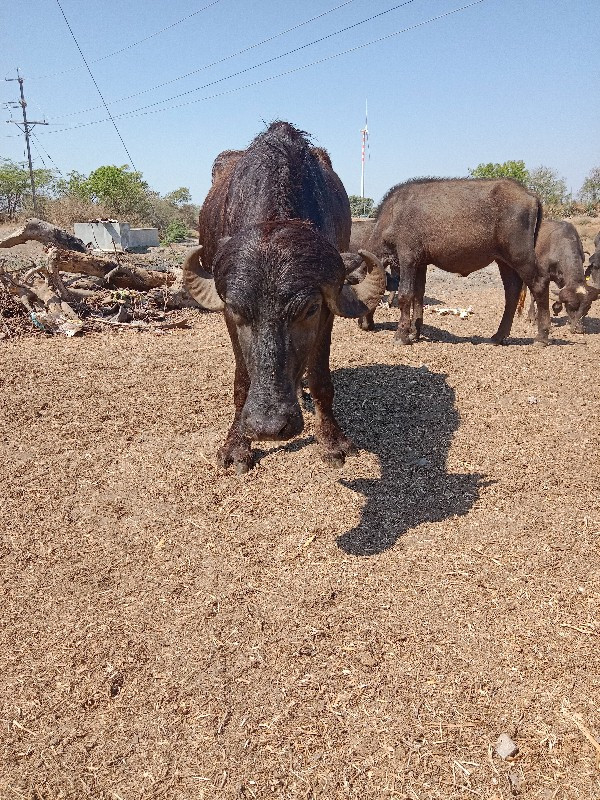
(271, 229)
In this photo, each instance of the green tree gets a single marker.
(509, 169)
(74, 185)
(361, 206)
(15, 186)
(179, 197)
(548, 185)
(123, 192)
(590, 191)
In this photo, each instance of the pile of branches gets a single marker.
(71, 289)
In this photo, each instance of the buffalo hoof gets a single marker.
(336, 456)
(541, 342)
(496, 339)
(365, 324)
(400, 341)
(240, 458)
(336, 460)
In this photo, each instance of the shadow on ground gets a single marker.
(591, 324)
(407, 417)
(432, 334)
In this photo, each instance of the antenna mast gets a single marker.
(365, 138)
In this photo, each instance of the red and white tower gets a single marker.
(365, 140)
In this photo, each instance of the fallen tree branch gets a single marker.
(40, 292)
(39, 231)
(122, 276)
(71, 274)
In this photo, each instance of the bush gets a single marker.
(548, 185)
(361, 206)
(176, 231)
(509, 169)
(15, 189)
(590, 191)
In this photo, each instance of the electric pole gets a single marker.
(27, 126)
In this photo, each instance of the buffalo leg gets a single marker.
(532, 313)
(539, 286)
(512, 289)
(417, 315)
(406, 295)
(236, 447)
(541, 293)
(330, 436)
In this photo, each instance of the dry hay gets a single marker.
(170, 630)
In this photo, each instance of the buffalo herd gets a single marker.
(279, 255)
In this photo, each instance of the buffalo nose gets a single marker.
(272, 427)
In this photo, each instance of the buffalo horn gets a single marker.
(356, 301)
(199, 283)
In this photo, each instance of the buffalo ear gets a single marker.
(567, 295)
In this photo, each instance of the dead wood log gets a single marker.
(40, 231)
(40, 292)
(113, 272)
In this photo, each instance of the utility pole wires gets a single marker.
(26, 126)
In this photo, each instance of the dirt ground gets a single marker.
(172, 630)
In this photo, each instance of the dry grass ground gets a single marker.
(171, 630)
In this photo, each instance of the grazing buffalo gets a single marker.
(362, 230)
(461, 225)
(592, 273)
(560, 257)
(271, 229)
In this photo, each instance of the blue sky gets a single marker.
(503, 79)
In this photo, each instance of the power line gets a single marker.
(142, 113)
(97, 87)
(48, 156)
(129, 46)
(214, 63)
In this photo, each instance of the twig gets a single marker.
(491, 558)
(581, 630)
(591, 739)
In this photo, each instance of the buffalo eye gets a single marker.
(312, 310)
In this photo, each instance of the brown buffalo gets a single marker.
(271, 230)
(461, 225)
(560, 257)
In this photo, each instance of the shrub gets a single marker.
(508, 169)
(176, 231)
(361, 206)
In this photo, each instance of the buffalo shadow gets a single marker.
(591, 324)
(407, 417)
(429, 333)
